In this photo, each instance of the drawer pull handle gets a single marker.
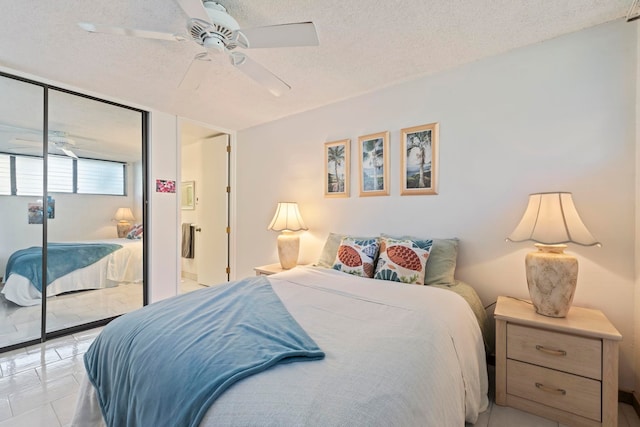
(551, 390)
(551, 351)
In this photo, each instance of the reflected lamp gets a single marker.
(551, 220)
(123, 216)
(287, 220)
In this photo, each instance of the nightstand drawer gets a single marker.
(556, 350)
(570, 393)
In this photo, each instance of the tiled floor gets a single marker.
(20, 324)
(38, 387)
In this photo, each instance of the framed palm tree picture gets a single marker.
(336, 168)
(419, 154)
(374, 164)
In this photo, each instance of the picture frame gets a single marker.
(419, 160)
(188, 195)
(336, 168)
(373, 164)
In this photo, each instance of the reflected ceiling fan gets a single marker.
(210, 26)
(58, 141)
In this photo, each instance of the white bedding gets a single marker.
(396, 354)
(121, 266)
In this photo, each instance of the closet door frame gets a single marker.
(44, 335)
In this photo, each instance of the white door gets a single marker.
(211, 246)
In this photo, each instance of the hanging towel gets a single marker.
(188, 241)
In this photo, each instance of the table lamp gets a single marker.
(288, 220)
(123, 216)
(551, 220)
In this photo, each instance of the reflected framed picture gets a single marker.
(419, 155)
(373, 164)
(336, 168)
(188, 195)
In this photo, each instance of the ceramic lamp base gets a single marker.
(288, 248)
(123, 229)
(552, 276)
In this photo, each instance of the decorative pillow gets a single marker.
(356, 256)
(135, 232)
(330, 249)
(403, 260)
(441, 265)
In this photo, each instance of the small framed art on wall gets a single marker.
(336, 168)
(373, 162)
(419, 154)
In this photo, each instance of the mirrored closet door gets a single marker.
(21, 233)
(83, 205)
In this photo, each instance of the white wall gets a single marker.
(164, 162)
(554, 116)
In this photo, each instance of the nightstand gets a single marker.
(269, 269)
(564, 369)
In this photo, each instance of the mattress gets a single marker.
(396, 354)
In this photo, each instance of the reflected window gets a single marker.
(28, 176)
(100, 177)
(60, 174)
(91, 176)
(5, 174)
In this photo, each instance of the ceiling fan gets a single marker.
(210, 26)
(58, 141)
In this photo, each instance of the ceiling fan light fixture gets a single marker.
(214, 42)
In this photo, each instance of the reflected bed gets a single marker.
(123, 265)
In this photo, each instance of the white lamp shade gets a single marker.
(552, 219)
(124, 214)
(287, 218)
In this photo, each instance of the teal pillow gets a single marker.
(329, 251)
(441, 265)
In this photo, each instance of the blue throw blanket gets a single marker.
(62, 258)
(166, 363)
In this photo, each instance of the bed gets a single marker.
(394, 354)
(122, 263)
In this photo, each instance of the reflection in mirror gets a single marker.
(96, 233)
(94, 188)
(21, 148)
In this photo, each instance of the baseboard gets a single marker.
(190, 276)
(625, 397)
(630, 398)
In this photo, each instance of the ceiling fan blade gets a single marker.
(285, 35)
(194, 9)
(196, 71)
(97, 28)
(68, 152)
(258, 73)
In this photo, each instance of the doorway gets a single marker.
(205, 201)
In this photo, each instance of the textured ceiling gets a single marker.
(364, 45)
